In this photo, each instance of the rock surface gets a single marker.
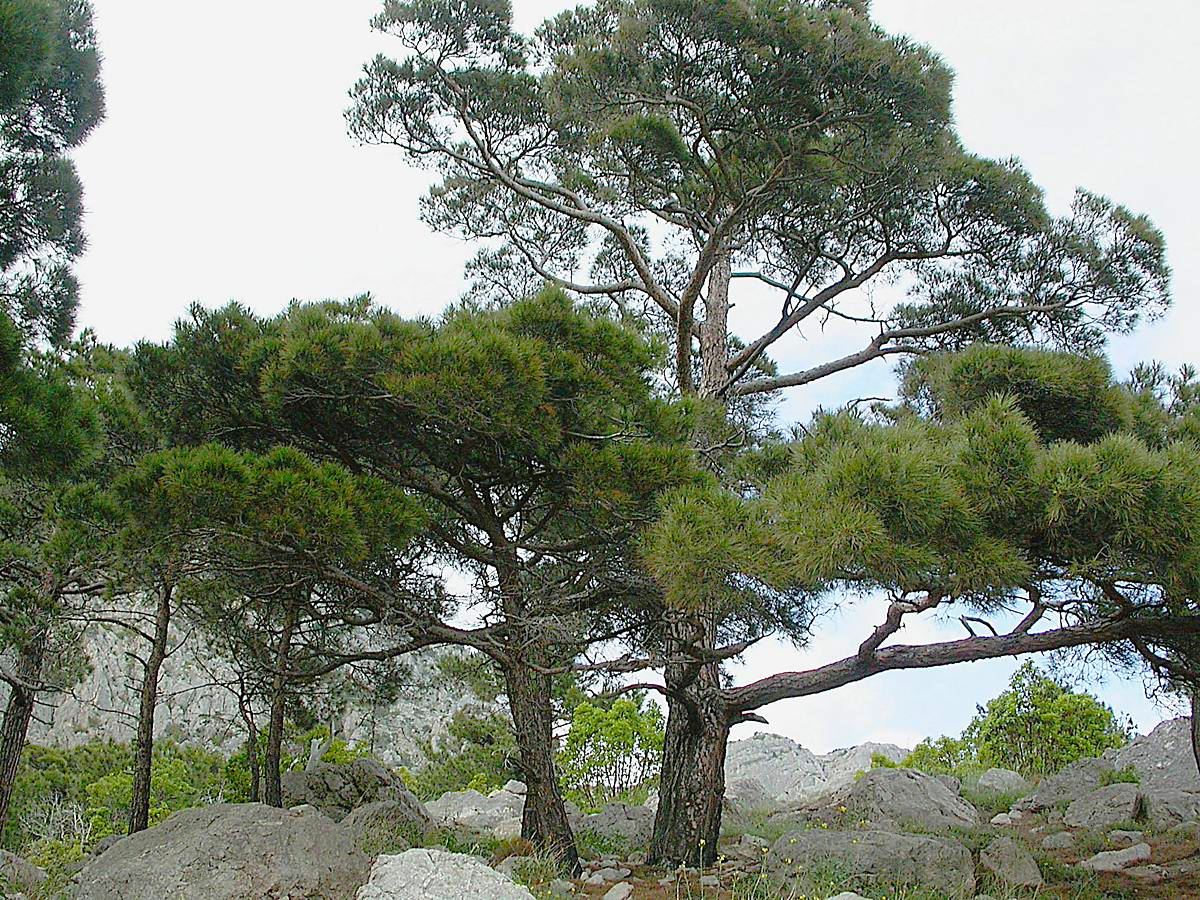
(1011, 863)
(1004, 781)
(1116, 860)
(1079, 778)
(1163, 758)
(896, 799)
(386, 826)
(337, 790)
(622, 822)
(1106, 806)
(17, 872)
(903, 858)
(497, 815)
(769, 769)
(429, 874)
(228, 852)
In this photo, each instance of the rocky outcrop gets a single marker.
(192, 711)
(1079, 778)
(428, 874)
(622, 822)
(772, 770)
(229, 852)
(336, 790)
(387, 826)
(882, 856)
(1163, 758)
(497, 815)
(1106, 806)
(893, 799)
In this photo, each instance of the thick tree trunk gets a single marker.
(143, 746)
(273, 788)
(15, 727)
(544, 822)
(687, 824)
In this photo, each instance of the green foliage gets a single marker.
(1035, 727)
(1126, 775)
(479, 753)
(82, 794)
(879, 761)
(611, 753)
(1038, 726)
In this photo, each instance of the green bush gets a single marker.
(1127, 775)
(1036, 727)
(612, 753)
(482, 756)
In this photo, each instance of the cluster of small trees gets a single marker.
(591, 454)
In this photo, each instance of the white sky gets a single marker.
(223, 172)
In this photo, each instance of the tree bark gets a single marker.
(687, 824)
(15, 727)
(1196, 725)
(714, 332)
(143, 746)
(544, 822)
(273, 787)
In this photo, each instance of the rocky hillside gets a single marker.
(195, 709)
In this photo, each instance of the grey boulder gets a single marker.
(337, 790)
(1106, 806)
(1163, 758)
(19, 873)
(898, 799)
(1011, 863)
(1077, 779)
(228, 851)
(387, 826)
(430, 874)
(1116, 860)
(1003, 781)
(902, 859)
(623, 822)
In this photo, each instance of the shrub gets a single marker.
(482, 756)
(1127, 775)
(612, 754)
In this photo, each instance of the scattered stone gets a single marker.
(848, 895)
(497, 815)
(1147, 874)
(619, 891)
(1116, 860)
(710, 881)
(228, 851)
(1001, 819)
(1003, 781)
(1011, 863)
(429, 874)
(608, 873)
(1060, 840)
(1106, 806)
(1125, 838)
(560, 887)
(937, 863)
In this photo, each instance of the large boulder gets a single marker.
(387, 826)
(1163, 758)
(1079, 778)
(429, 874)
(336, 790)
(1168, 808)
(1106, 806)
(496, 815)
(229, 851)
(892, 799)
(622, 822)
(1003, 781)
(903, 859)
(1011, 863)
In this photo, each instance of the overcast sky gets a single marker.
(223, 171)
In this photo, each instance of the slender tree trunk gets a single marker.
(273, 793)
(1196, 724)
(15, 727)
(687, 824)
(544, 822)
(143, 747)
(714, 332)
(252, 762)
